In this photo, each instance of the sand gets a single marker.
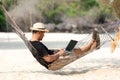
(17, 63)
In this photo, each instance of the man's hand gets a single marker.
(61, 51)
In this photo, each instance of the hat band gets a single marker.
(41, 28)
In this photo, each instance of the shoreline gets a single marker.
(47, 37)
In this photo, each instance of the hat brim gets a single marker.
(44, 30)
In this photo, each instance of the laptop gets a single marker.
(70, 46)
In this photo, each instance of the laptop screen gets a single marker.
(71, 45)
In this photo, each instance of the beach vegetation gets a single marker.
(80, 13)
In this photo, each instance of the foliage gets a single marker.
(8, 4)
(55, 11)
(2, 21)
(88, 4)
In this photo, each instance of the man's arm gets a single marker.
(51, 58)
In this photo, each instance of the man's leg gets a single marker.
(83, 49)
(94, 43)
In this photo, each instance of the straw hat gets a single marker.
(39, 27)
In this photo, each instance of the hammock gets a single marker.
(59, 63)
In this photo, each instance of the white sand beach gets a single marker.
(17, 63)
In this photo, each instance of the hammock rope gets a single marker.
(84, 40)
(106, 33)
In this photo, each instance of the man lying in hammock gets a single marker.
(50, 56)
